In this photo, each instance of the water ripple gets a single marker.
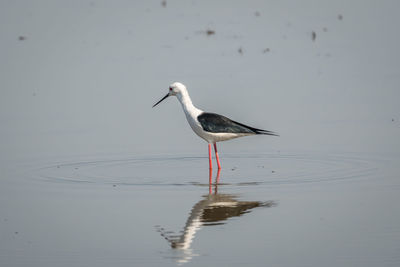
(243, 170)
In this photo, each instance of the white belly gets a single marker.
(218, 137)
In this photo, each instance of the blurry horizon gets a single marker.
(81, 77)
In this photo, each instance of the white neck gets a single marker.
(187, 104)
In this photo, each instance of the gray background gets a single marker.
(88, 168)
(85, 77)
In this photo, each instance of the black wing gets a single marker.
(215, 123)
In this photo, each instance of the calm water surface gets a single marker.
(279, 209)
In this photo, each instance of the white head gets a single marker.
(175, 89)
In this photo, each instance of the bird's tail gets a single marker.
(259, 131)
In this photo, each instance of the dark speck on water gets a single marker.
(240, 51)
(21, 38)
(164, 3)
(210, 32)
(257, 14)
(324, 29)
(340, 17)
(266, 50)
(313, 36)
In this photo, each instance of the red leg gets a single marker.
(216, 155)
(210, 182)
(217, 181)
(209, 155)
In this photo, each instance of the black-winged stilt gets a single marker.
(210, 126)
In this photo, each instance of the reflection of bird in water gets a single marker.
(213, 209)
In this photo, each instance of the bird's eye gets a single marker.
(170, 88)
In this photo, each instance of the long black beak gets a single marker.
(161, 100)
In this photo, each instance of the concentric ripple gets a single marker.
(243, 170)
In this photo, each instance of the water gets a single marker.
(91, 175)
(279, 209)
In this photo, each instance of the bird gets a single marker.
(211, 127)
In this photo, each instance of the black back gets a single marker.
(215, 123)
